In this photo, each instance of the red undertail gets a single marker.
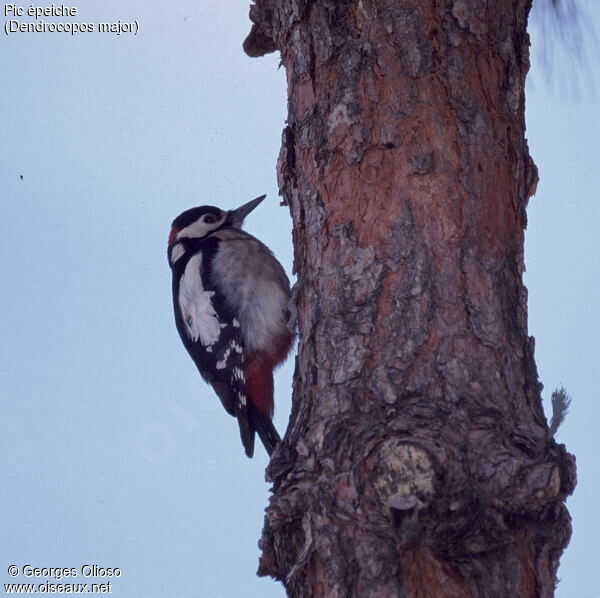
(259, 374)
(259, 385)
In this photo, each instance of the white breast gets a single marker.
(199, 317)
(254, 285)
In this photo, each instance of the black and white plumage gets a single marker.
(230, 298)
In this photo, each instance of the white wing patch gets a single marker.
(233, 346)
(199, 316)
(221, 365)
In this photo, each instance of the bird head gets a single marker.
(197, 223)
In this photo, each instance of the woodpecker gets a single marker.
(230, 297)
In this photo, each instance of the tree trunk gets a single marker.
(418, 461)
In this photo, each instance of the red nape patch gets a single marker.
(172, 235)
(259, 385)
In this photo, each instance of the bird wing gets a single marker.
(212, 337)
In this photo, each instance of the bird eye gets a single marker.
(210, 219)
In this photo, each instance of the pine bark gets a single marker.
(417, 462)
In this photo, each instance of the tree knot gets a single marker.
(403, 479)
(260, 39)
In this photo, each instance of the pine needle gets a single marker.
(561, 401)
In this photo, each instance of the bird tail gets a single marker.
(247, 431)
(259, 389)
(254, 421)
(267, 432)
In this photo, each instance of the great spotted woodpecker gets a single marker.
(230, 297)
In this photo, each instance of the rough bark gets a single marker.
(418, 460)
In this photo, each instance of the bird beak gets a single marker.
(235, 218)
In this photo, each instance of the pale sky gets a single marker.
(113, 450)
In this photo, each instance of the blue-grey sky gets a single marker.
(113, 451)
